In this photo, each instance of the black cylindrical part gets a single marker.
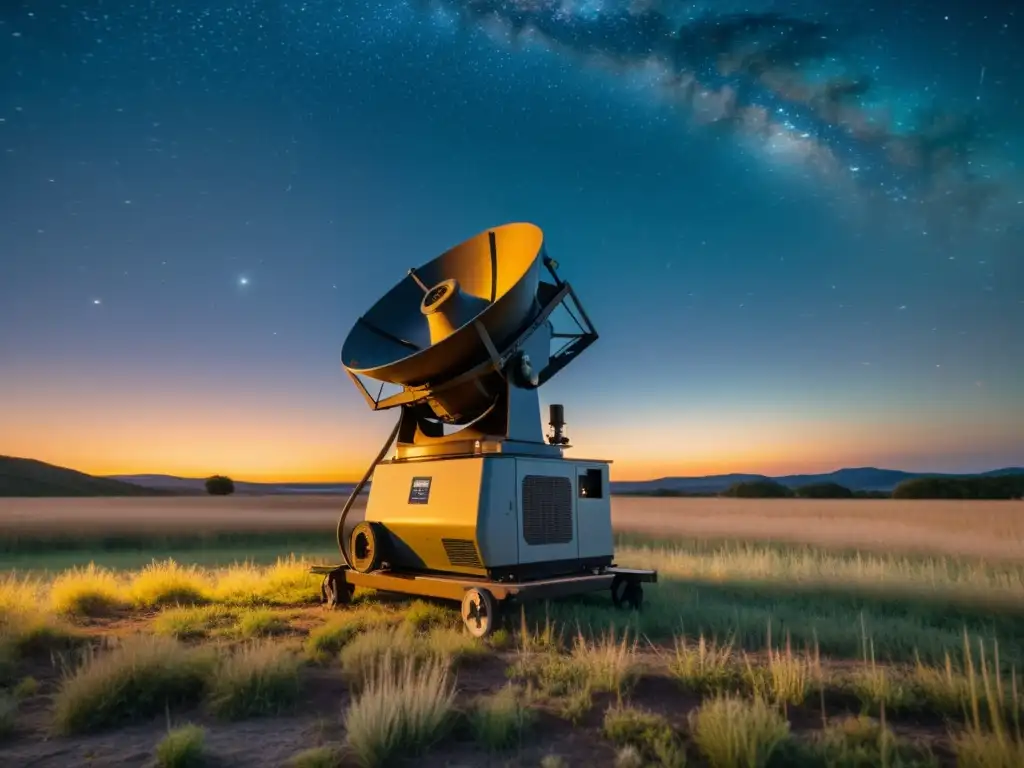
(556, 413)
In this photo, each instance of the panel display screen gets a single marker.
(419, 491)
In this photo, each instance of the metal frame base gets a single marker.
(625, 585)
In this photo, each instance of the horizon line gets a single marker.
(335, 481)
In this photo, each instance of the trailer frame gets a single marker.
(484, 600)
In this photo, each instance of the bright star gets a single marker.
(96, 301)
(243, 281)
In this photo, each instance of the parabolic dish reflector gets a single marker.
(422, 330)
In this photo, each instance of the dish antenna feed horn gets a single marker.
(475, 504)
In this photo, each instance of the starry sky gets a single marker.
(797, 226)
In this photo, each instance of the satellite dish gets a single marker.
(422, 329)
(461, 330)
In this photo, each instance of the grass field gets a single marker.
(791, 632)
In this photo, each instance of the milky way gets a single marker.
(760, 77)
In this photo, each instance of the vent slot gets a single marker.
(547, 510)
(462, 552)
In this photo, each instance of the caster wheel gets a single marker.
(335, 594)
(479, 612)
(634, 596)
(365, 547)
(620, 587)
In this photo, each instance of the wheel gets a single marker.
(365, 545)
(334, 594)
(479, 612)
(620, 585)
(634, 595)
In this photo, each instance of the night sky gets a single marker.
(798, 227)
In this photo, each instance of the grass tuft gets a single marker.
(858, 742)
(364, 652)
(326, 641)
(317, 757)
(138, 679)
(787, 677)
(423, 615)
(89, 591)
(733, 732)
(168, 583)
(261, 622)
(182, 747)
(193, 621)
(403, 709)
(501, 720)
(261, 678)
(997, 742)
(648, 735)
(705, 667)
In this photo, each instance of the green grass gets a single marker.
(182, 747)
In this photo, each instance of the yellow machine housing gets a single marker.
(500, 516)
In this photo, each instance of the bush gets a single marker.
(758, 489)
(219, 485)
(990, 487)
(824, 491)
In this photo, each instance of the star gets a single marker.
(96, 302)
(243, 281)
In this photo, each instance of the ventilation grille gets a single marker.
(462, 552)
(547, 510)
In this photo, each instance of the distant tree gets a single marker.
(758, 489)
(990, 487)
(219, 485)
(824, 491)
(872, 495)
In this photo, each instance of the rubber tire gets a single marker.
(479, 612)
(334, 593)
(366, 546)
(634, 595)
(620, 588)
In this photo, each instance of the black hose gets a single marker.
(355, 492)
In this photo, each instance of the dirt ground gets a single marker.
(987, 529)
(317, 719)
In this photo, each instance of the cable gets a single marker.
(355, 492)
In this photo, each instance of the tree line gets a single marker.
(990, 487)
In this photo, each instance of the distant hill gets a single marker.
(856, 479)
(197, 485)
(28, 477)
